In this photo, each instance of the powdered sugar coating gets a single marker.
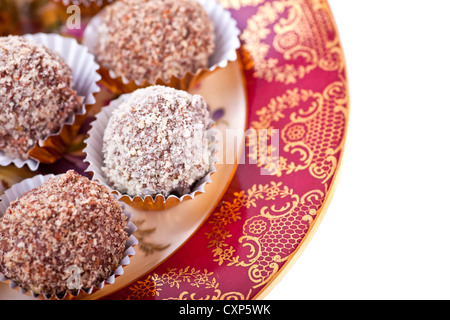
(147, 40)
(36, 95)
(68, 224)
(156, 142)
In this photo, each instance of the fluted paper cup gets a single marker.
(85, 78)
(226, 45)
(16, 191)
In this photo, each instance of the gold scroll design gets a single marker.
(238, 4)
(199, 280)
(303, 32)
(310, 140)
(269, 238)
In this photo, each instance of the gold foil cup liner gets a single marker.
(226, 45)
(24, 186)
(54, 147)
(94, 157)
(121, 85)
(85, 77)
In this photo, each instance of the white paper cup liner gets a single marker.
(94, 157)
(85, 77)
(226, 40)
(18, 190)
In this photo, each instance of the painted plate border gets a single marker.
(297, 87)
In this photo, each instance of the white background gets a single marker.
(386, 234)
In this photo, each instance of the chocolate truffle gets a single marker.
(36, 95)
(147, 40)
(67, 225)
(157, 142)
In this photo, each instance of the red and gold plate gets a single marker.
(271, 191)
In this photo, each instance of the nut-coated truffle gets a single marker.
(147, 40)
(157, 142)
(68, 232)
(36, 95)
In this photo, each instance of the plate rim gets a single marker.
(263, 291)
(295, 255)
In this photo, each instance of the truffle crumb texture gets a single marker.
(36, 95)
(149, 40)
(68, 228)
(156, 142)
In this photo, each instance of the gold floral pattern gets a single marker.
(142, 233)
(297, 32)
(152, 285)
(314, 134)
(268, 238)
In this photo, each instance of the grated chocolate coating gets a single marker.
(147, 40)
(156, 142)
(36, 95)
(68, 224)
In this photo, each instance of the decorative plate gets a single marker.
(283, 113)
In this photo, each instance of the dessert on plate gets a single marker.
(157, 143)
(37, 95)
(68, 233)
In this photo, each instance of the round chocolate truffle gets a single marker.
(69, 231)
(36, 95)
(157, 142)
(147, 40)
